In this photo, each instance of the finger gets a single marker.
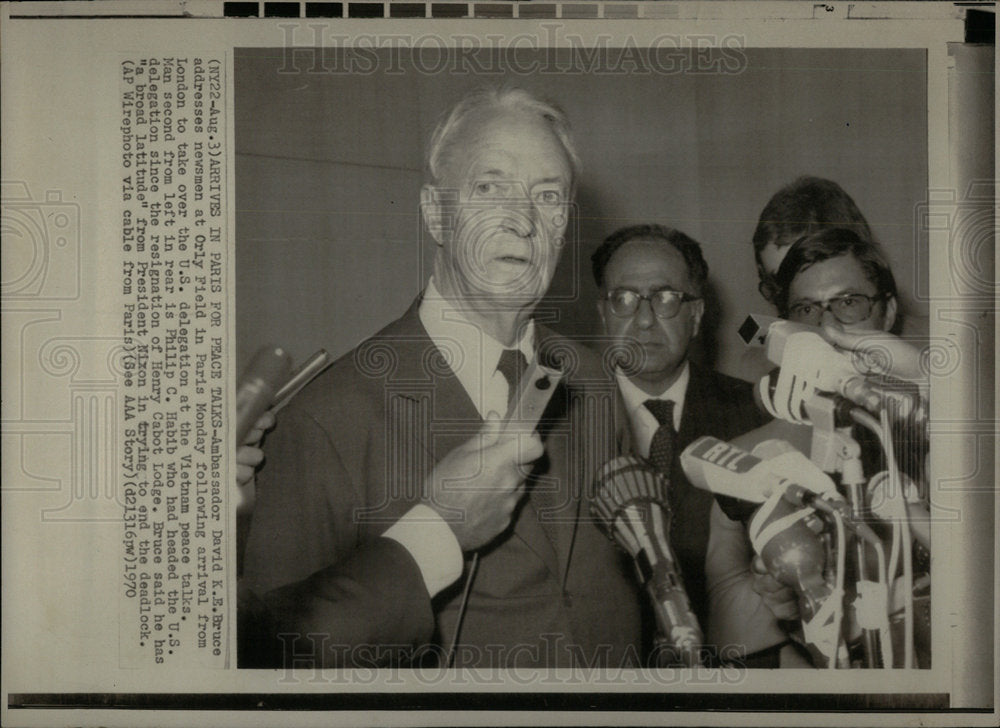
(248, 455)
(788, 610)
(837, 336)
(529, 449)
(757, 565)
(511, 503)
(774, 587)
(265, 422)
(244, 473)
(489, 433)
(253, 437)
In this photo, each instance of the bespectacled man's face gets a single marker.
(839, 278)
(503, 209)
(660, 344)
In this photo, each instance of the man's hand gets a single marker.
(780, 599)
(249, 455)
(882, 352)
(482, 479)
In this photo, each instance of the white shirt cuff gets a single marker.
(431, 543)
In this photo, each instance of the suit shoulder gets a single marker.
(731, 398)
(725, 386)
(359, 377)
(582, 363)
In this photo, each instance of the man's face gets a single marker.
(837, 277)
(646, 267)
(771, 256)
(502, 232)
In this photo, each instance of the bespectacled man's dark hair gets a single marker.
(827, 244)
(697, 268)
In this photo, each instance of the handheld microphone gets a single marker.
(809, 363)
(793, 553)
(630, 504)
(264, 375)
(773, 466)
(785, 529)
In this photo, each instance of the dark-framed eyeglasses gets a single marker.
(847, 309)
(665, 303)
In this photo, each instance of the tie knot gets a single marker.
(512, 365)
(662, 409)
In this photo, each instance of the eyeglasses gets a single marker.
(848, 309)
(665, 302)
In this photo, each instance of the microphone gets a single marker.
(786, 537)
(809, 363)
(785, 530)
(267, 371)
(774, 466)
(630, 504)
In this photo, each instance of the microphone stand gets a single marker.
(836, 452)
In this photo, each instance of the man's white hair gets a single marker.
(448, 130)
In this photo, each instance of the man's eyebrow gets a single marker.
(551, 180)
(848, 291)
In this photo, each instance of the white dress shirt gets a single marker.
(473, 356)
(644, 424)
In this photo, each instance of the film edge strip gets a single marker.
(487, 9)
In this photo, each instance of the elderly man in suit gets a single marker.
(367, 449)
(652, 286)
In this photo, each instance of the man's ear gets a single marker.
(890, 313)
(697, 311)
(433, 214)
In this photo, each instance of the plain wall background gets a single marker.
(329, 165)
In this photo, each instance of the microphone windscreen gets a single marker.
(626, 495)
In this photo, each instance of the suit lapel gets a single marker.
(579, 432)
(694, 415)
(434, 415)
(624, 439)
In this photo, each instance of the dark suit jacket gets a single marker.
(349, 457)
(338, 605)
(716, 405)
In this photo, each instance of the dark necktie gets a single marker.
(512, 365)
(664, 443)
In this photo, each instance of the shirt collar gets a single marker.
(477, 352)
(635, 397)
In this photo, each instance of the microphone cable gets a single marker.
(883, 429)
(473, 565)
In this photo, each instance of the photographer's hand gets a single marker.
(249, 455)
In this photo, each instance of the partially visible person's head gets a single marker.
(652, 281)
(805, 206)
(502, 167)
(836, 276)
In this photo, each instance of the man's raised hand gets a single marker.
(476, 486)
